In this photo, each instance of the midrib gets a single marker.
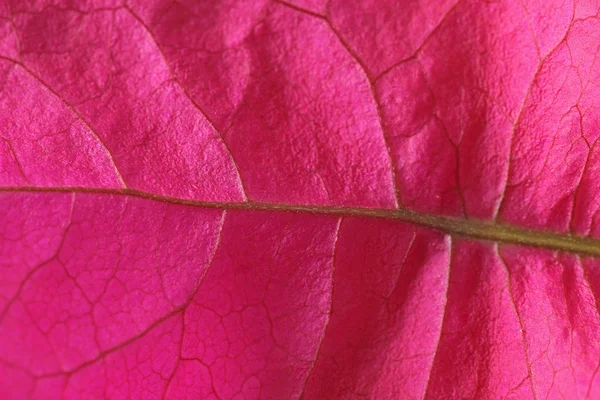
(476, 229)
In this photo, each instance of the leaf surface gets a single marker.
(251, 199)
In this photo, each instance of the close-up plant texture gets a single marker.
(299, 199)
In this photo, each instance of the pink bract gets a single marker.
(192, 193)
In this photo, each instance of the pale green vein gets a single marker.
(476, 229)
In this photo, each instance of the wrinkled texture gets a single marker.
(464, 108)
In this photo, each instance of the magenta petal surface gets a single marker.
(299, 199)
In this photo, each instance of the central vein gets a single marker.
(463, 227)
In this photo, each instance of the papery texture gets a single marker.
(132, 131)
